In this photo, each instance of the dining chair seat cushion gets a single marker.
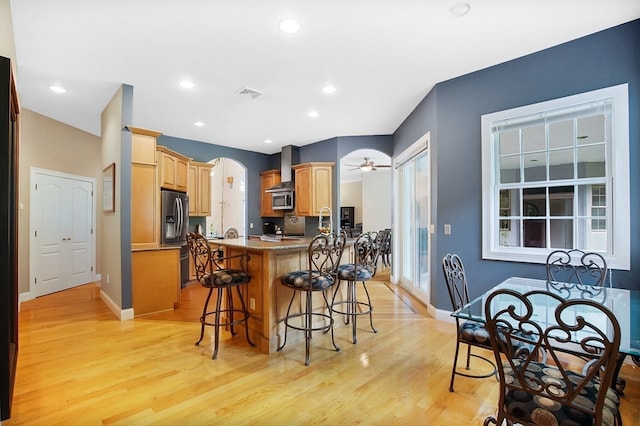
(542, 410)
(225, 277)
(474, 333)
(349, 272)
(299, 280)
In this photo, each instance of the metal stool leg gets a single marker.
(246, 317)
(286, 325)
(217, 323)
(370, 307)
(203, 318)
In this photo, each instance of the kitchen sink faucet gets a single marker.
(320, 227)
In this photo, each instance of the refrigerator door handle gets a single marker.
(179, 224)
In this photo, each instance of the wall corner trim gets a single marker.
(122, 314)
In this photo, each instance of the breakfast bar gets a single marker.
(267, 299)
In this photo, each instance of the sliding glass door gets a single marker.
(413, 237)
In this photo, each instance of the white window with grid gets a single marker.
(556, 176)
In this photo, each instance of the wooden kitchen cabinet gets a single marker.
(199, 189)
(145, 194)
(313, 187)
(269, 178)
(155, 276)
(173, 169)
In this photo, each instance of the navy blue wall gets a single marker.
(125, 199)
(328, 150)
(255, 162)
(452, 113)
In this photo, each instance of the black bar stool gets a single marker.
(324, 255)
(212, 274)
(363, 269)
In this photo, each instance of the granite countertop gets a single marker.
(158, 247)
(257, 244)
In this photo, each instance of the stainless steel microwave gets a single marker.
(282, 200)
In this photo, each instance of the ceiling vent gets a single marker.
(251, 92)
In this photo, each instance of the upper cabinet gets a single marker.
(313, 187)
(269, 178)
(173, 169)
(145, 194)
(199, 189)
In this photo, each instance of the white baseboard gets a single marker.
(122, 314)
(442, 315)
(23, 297)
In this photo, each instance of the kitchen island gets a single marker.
(267, 298)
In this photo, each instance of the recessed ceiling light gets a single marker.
(460, 9)
(313, 114)
(328, 89)
(58, 89)
(268, 141)
(289, 26)
(187, 84)
(198, 123)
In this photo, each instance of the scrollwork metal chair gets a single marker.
(469, 333)
(571, 270)
(363, 269)
(213, 271)
(535, 393)
(324, 253)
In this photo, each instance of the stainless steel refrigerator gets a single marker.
(175, 217)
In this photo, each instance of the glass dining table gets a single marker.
(624, 304)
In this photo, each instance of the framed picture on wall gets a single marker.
(109, 189)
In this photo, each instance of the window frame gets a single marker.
(618, 254)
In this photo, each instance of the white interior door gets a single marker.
(62, 241)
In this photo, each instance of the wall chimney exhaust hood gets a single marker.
(286, 158)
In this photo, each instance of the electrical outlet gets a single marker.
(447, 229)
(252, 304)
(107, 278)
(251, 225)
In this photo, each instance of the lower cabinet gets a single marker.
(155, 276)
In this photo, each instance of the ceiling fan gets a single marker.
(367, 166)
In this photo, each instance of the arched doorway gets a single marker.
(366, 188)
(228, 197)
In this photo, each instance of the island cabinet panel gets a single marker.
(155, 278)
(266, 298)
(313, 184)
(269, 178)
(174, 169)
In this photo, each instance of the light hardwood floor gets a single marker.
(78, 365)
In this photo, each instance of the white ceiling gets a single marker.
(383, 57)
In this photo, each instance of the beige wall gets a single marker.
(52, 145)
(376, 200)
(351, 196)
(110, 222)
(7, 41)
